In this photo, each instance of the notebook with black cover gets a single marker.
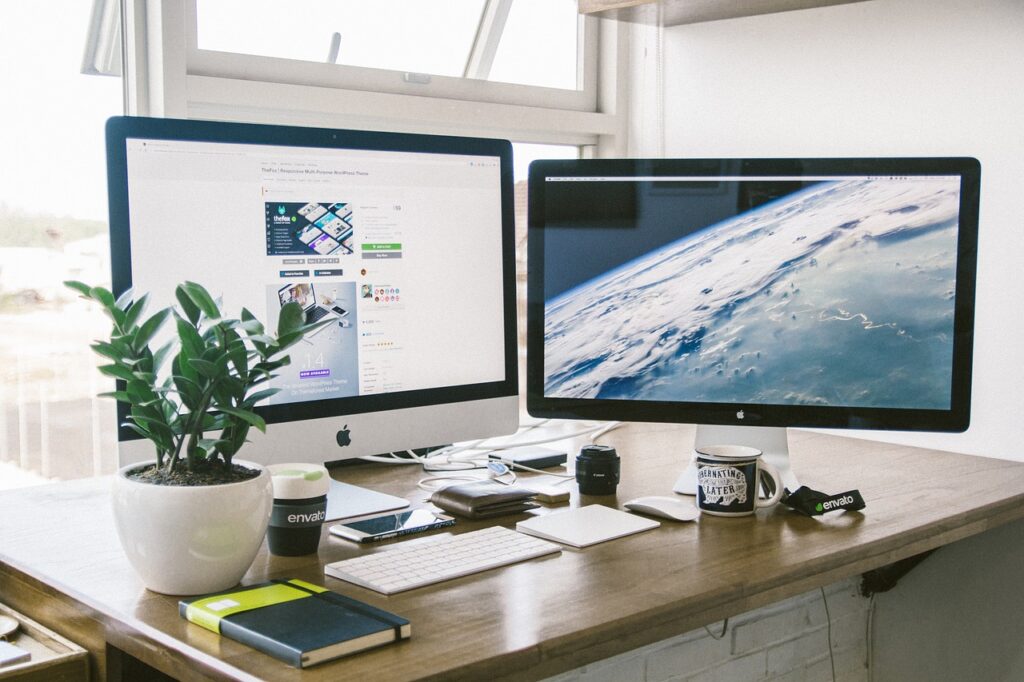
(298, 622)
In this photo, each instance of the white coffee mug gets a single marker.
(729, 477)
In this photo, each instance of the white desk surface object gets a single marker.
(585, 526)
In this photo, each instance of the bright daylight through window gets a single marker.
(53, 226)
(484, 39)
(53, 195)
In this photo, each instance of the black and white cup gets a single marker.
(300, 508)
(728, 479)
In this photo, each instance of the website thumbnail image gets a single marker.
(296, 229)
(325, 364)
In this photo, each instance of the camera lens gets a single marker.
(597, 470)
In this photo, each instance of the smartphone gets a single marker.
(339, 311)
(391, 525)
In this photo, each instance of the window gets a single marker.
(525, 70)
(426, 48)
(519, 69)
(53, 227)
(431, 38)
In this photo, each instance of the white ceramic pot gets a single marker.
(192, 539)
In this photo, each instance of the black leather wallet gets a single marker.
(483, 500)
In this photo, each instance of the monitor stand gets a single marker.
(771, 440)
(345, 501)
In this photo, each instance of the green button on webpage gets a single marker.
(382, 247)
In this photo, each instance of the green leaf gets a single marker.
(287, 340)
(238, 353)
(191, 310)
(207, 369)
(135, 310)
(210, 444)
(292, 317)
(249, 324)
(123, 344)
(260, 395)
(263, 339)
(190, 381)
(117, 371)
(107, 350)
(138, 391)
(236, 438)
(245, 415)
(211, 422)
(116, 395)
(191, 343)
(234, 389)
(215, 354)
(124, 300)
(201, 297)
(145, 408)
(189, 391)
(160, 356)
(138, 429)
(105, 298)
(81, 287)
(149, 329)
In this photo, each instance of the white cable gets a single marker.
(610, 426)
(422, 484)
(388, 459)
(492, 474)
(473, 455)
(476, 451)
(552, 439)
(516, 465)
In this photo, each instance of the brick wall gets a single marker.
(787, 641)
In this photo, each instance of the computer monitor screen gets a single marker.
(754, 292)
(404, 243)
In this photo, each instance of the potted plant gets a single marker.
(192, 520)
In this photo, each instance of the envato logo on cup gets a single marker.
(300, 508)
(728, 477)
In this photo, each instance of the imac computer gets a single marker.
(750, 295)
(404, 243)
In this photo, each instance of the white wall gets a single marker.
(886, 78)
(948, 620)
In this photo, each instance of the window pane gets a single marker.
(536, 43)
(426, 36)
(538, 46)
(53, 227)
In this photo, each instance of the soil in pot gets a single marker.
(207, 473)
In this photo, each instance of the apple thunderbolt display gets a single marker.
(404, 243)
(749, 295)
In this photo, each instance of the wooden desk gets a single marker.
(61, 564)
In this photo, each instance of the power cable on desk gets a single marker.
(479, 450)
(475, 455)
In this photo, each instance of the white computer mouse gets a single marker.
(674, 508)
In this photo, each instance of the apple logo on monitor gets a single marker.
(739, 415)
(344, 437)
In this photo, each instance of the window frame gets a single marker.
(168, 75)
(234, 65)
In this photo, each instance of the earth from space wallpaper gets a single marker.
(839, 293)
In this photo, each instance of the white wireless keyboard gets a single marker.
(438, 559)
